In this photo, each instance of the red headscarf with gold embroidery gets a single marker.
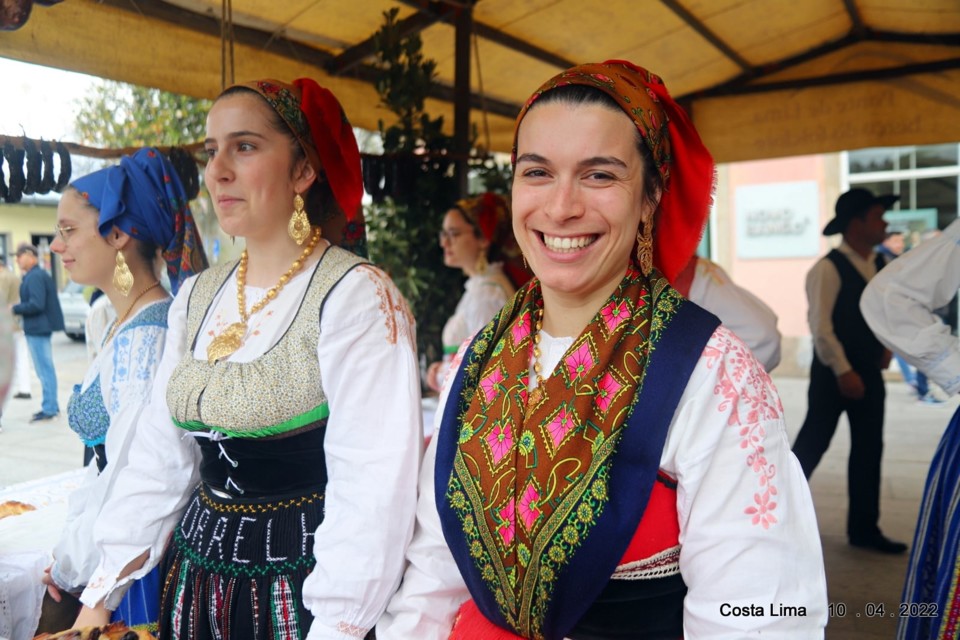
(316, 119)
(684, 163)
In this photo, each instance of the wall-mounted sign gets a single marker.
(778, 220)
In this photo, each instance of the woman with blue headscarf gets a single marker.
(116, 230)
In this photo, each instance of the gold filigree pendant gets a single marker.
(223, 345)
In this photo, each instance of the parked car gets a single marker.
(75, 310)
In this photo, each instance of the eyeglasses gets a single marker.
(450, 234)
(64, 232)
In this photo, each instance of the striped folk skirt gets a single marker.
(235, 568)
(930, 606)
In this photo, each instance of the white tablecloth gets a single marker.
(25, 544)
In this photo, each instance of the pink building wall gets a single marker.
(777, 281)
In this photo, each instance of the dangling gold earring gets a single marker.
(122, 277)
(299, 225)
(645, 247)
(482, 264)
(524, 258)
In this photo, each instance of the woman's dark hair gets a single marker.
(578, 94)
(319, 201)
(147, 250)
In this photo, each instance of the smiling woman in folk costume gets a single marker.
(286, 408)
(114, 228)
(611, 462)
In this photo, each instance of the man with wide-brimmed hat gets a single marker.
(845, 375)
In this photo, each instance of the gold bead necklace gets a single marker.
(231, 339)
(537, 394)
(126, 313)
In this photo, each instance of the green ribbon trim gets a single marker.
(321, 412)
(450, 349)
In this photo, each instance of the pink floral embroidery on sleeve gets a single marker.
(745, 391)
(397, 316)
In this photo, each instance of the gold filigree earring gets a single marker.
(645, 247)
(122, 277)
(482, 264)
(299, 225)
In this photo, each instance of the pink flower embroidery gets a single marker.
(580, 362)
(561, 425)
(500, 441)
(508, 524)
(761, 513)
(613, 314)
(522, 328)
(607, 390)
(490, 385)
(529, 509)
(745, 392)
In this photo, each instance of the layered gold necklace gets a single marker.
(225, 344)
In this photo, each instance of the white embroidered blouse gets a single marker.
(372, 446)
(483, 296)
(748, 530)
(126, 367)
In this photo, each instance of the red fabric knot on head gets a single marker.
(684, 163)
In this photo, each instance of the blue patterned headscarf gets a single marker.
(143, 197)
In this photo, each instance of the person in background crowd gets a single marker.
(9, 296)
(274, 477)
(476, 232)
(706, 283)
(900, 306)
(608, 454)
(115, 228)
(6, 355)
(845, 375)
(41, 315)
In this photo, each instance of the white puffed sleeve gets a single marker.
(126, 369)
(432, 588)
(750, 548)
(373, 442)
(899, 305)
(152, 488)
(742, 312)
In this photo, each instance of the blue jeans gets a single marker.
(42, 356)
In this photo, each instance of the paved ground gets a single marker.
(858, 580)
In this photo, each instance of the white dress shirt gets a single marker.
(823, 287)
(898, 305)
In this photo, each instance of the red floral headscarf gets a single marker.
(685, 165)
(316, 118)
(489, 213)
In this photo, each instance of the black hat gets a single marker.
(855, 203)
